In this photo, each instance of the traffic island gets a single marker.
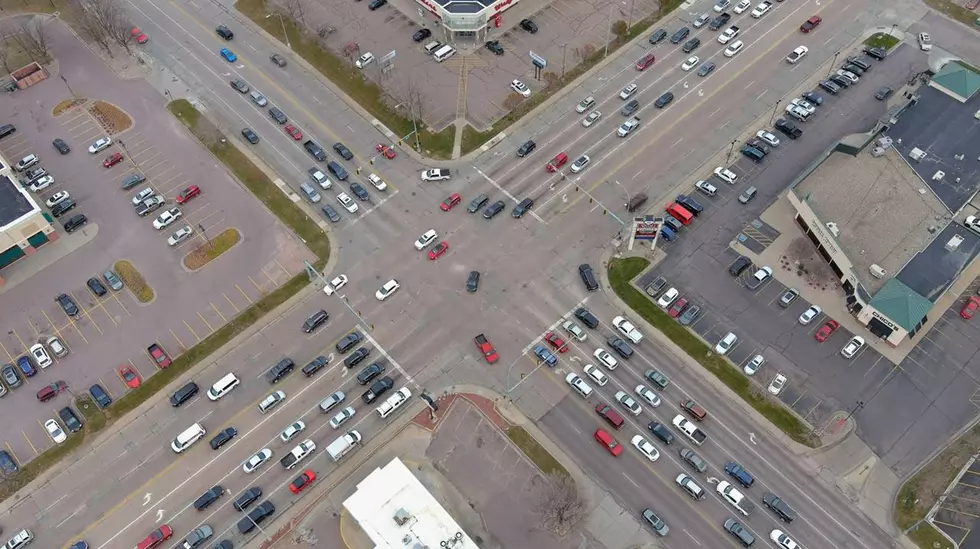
(212, 249)
(113, 119)
(881, 40)
(134, 281)
(67, 105)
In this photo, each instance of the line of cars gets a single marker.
(36, 179)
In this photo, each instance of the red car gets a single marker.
(827, 330)
(129, 376)
(188, 193)
(386, 150)
(557, 162)
(113, 159)
(440, 249)
(810, 24)
(159, 356)
(448, 203)
(156, 537)
(678, 307)
(302, 482)
(605, 439)
(294, 131)
(556, 341)
(970, 307)
(486, 348)
(140, 36)
(645, 62)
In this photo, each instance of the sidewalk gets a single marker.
(59, 246)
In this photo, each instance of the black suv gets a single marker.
(63, 207)
(247, 498)
(587, 317)
(62, 147)
(280, 370)
(315, 366)
(522, 208)
(739, 265)
(681, 34)
(690, 204)
(67, 305)
(349, 341)
(421, 35)
(183, 394)
(661, 431)
(343, 151)
(70, 419)
(495, 47)
(788, 128)
(96, 286)
(529, 26)
(717, 22)
(377, 389)
(75, 222)
(877, 53)
(315, 321)
(356, 357)
(691, 45)
(778, 506)
(223, 437)
(657, 37)
(526, 148)
(493, 209)
(209, 497)
(224, 32)
(360, 192)
(278, 115)
(477, 203)
(621, 347)
(371, 372)
(256, 516)
(664, 100)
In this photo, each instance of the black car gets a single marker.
(359, 191)
(315, 321)
(331, 214)
(63, 207)
(67, 305)
(473, 281)
(377, 389)
(752, 153)
(421, 35)
(256, 516)
(224, 32)
(477, 203)
(680, 35)
(526, 148)
(9, 374)
(877, 53)
(7, 465)
(621, 347)
(691, 45)
(495, 47)
(209, 497)
(100, 396)
(279, 60)
(813, 97)
(630, 108)
(854, 60)
(371, 372)
(251, 136)
(75, 222)
(657, 36)
(883, 93)
(7, 129)
(223, 437)
(529, 26)
(247, 498)
(70, 419)
(829, 87)
(758, 144)
(522, 208)
(282, 369)
(132, 180)
(851, 67)
(225, 544)
(375, 4)
(717, 22)
(840, 81)
(315, 366)
(343, 151)
(62, 147)
(493, 209)
(739, 265)
(349, 341)
(183, 394)
(356, 357)
(788, 128)
(278, 115)
(661, 431)
(779, 507)
(690, 204)
(664, 100)
(587, 317)
(96, 286)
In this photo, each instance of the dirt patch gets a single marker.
(209, 251)
(67, 105)
(112, 119)
(134, 281)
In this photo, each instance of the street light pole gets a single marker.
(283, 23)
(204, 233)
(832, 63)
(731, 150)
(65, 80)
(625, 190)
(608, 30)
(629, 23)
(856, 408)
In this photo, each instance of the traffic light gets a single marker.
(576, 188)
(371, 160)
(357, 170)
(590, 200)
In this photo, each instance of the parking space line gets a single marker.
(33, 327)
(106, 387)
(179, 342)
(284, 270)
(144, 163)
(22, 344)
(230, 302)
(799, 398)
(28, 439)
(10, 357)
(243, 292)
(223, 319)
(191, 330)
(812, 409)
(101, 303)
(116, 297)
(84, 310)
(135, 367)
(257, 287)
(71, 322)
(205, 322)
(267, 275)
(11, 450)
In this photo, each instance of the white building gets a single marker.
(467, 18)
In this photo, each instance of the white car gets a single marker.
(254, 462)
(768, 137)
(628, 91)
(58, 348)
(180, 235)
(852, 347)
(57, 198)
(754, 365)
(520, 88)
(761, 9)
(721, 5)
(335, 285)
(385, 291)
(627, 401)
(347, 202)
(853, 78)
(706, 188)
(377, 182)
(646, 448)
(142, 195)
(585, 105)
(428, 237)
(701, 21)
(972, 222)
(290, 432)
(592, 118)
(578, 384)
(648, 395)
(628, 127)
(364, 60)
(596, 374)
(797, 54)
(782, 540)
(605, 358)
(320, 178)
(801, 103)
(726, 175)
(42, 183)
(341, 417)
(581, 163)
(165, 219)
(668, 298)
(691, 62)
(734, 48)
(100, 145)
(40, 356)
(574, 329)
(742, 6)
(777, 384)
(54, 431)
(436, 174)
(809, 314)
(726, 343)
(925, 41)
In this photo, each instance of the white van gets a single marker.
(444, 53)
(186, 439)
(223, 387)
(431, 47)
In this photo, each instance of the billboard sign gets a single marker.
(647, 227)
(538, 61)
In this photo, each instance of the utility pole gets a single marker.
(608, 31)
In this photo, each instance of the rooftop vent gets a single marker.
(884, 142)
(917, 154)
(401, 517)
(877, 271)
(832, 227)
(939, 175)
(954, 243)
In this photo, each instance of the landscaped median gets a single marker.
(881, 40)
(134, 281)
(211, 249)
(533, 450)
(623, 271)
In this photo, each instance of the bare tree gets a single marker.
(551, 78)
(620, 28)
(560, 505)
(294, 8)
(513, 101)
(33, 39)
(583, 52)
(90, 24)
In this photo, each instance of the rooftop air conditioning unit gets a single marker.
(954, 243)
(939, 175)
(877, 271)
(401, 517)
(884, 142)
(877, 151)
(832, 227)
(917, 154)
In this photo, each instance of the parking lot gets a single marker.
(958, 513)
(115, 329)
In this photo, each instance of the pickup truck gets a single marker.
(761, 9)
(394, 402)
(315, 150)
(486, 348)
(717, 22)
(343, 445)
(627, 328)
(688, 429)
(728, 35)
(150, 205)
(297, 454)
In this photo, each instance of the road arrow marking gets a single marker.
(564, 198)
(160, 515)
(752, 438)
(712, 480)
(147, 498)
(575, 359)
(700, 92)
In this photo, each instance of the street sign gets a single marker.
(538, 61)
(387, 57)
(647, 227)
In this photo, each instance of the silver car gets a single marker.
(113, 280)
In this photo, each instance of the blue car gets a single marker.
(667, 233)
(544, 355)
(228, 55)
(25, 366)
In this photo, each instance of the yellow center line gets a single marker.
(206, 322)
(243, 293)
(191, 330)
(225, 320)
(230, 302)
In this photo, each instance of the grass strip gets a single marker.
(622, 271)
(881, 40)
(209, 251)
(134, 280)
(955, 11)
(537, 453)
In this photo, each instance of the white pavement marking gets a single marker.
(692, 537)
(373, 208)
(384, 353)
(631, 480)
(507, 194)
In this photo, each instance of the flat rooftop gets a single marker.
(934, 270)
(465, 6)
(882, 210)
(947, 132)
(13, 203)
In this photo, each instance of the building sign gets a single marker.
(647, 227)
(884, 320)
(501, 6)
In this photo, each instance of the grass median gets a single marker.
(533, 450)
(881, 40)
(134, 280)
(623, 271)
(212, 249)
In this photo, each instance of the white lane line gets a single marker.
(384, 353)
(56, 502)
(692, 537)
(761, 94)
(749, 85)
(637, 174)
(633, 482)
